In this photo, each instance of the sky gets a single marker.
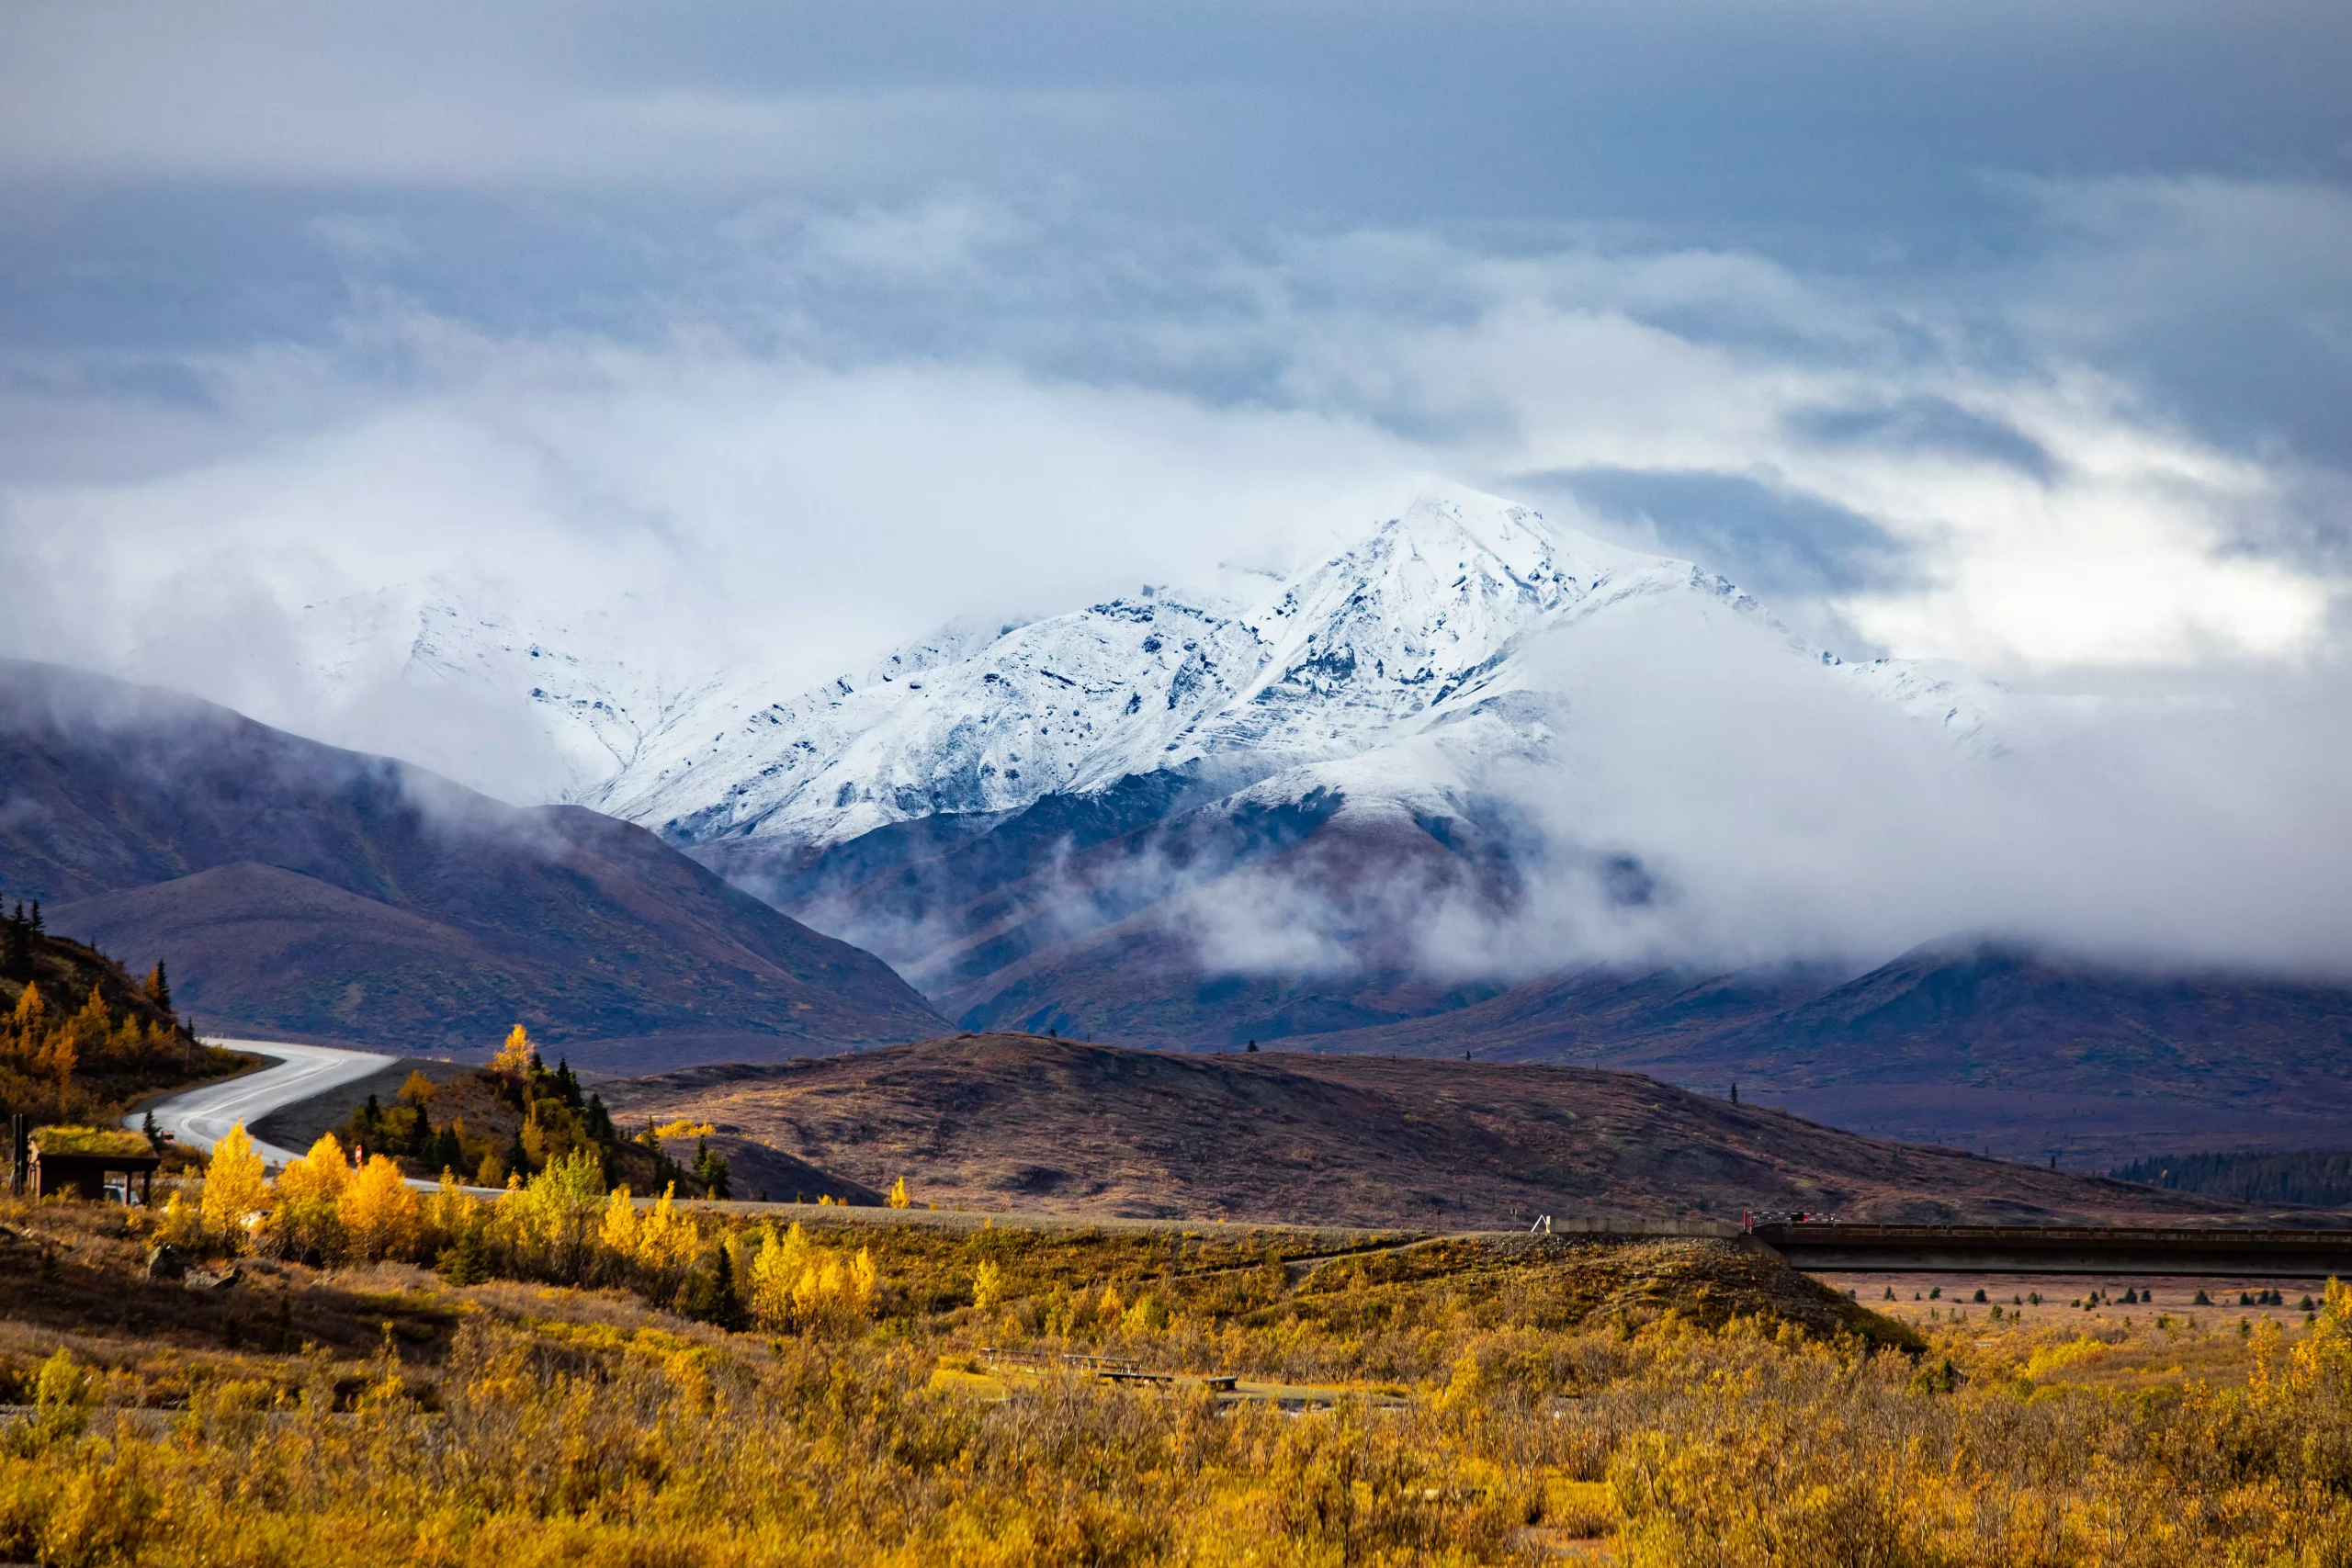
(2007, 333)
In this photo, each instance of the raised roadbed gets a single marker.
(2062, 1250)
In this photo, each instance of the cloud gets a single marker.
(1786, 816)
(772, 493)
(761, 338)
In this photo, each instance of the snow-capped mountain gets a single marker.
(548, 711)
(1397, 650)
(1031, 818)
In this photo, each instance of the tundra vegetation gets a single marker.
(569, 1373)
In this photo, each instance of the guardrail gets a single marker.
(2062, 1250)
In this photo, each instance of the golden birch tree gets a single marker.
(234, 1189)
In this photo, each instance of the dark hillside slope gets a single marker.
(1970, 1042)
(1018, 1121)
(317, 894)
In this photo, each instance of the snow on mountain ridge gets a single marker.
(408, 643)
(1407, 629)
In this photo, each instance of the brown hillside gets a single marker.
(1020, 1121)
(310, 893)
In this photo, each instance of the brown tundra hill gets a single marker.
(1020, 1122)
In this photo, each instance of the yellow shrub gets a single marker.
(181, 1224)
(235, 1190)
(380, 1212)
(987, 1286)
(1580, 1509)
(617, 1235)
(2048, 1361)
(448, 1215)
(795, 1284)
(320, 1175)
(667, 1243)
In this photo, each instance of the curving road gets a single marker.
(199, 1116)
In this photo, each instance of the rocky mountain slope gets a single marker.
(316, 894)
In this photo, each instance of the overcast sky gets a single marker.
(2007, 332)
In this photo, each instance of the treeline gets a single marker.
(19, 932)
(2321, 1178)
(563, 1226)
(78, 1035)
(514, 1118)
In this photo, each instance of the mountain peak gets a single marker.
(1403, 617)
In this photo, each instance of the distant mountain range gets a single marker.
(1302, 804)
(1977, 1043)
(315, 894)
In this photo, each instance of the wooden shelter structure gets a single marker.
(75, 1162)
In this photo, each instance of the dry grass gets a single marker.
(1471, 1399)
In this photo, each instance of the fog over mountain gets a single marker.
(544, 416)
(1548, 748)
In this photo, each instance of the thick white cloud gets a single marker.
(804, 500)
(2012, 335)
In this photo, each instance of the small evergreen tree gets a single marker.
(711, 1170)
(16, 945)
(709, 1295)
(463, 1262)
(599, 1120)
(158, 987)
(155, 1134)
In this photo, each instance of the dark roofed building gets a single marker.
(75, 1162)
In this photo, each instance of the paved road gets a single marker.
(200, 1116)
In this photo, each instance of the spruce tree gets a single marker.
(16, 945)
(710, 1169)
(709, 1294)
(464, 1261)
(600, 1120)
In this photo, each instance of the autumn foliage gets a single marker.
(78, 1036)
